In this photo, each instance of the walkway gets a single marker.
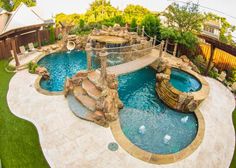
(134, 65)
(68, 141)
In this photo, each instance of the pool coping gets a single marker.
(43, 91)
(153, 158)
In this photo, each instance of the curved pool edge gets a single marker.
(153, 158)
(43, 91)
(203, 92)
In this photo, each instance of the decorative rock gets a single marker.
(68, 86)
(160, 77)
(184, 58)
(99, 118)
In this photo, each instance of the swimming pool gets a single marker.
(147, 122)
(183, 81)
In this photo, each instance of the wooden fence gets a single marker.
(221, 59)
(24, 40)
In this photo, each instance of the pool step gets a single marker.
(81, 95)
(91, 89)
(78, 109)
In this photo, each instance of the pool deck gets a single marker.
(68, 141)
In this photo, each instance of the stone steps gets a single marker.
(78, 109)
(81, 95)
(91, 89)
(94, 77)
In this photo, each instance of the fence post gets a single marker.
(154, 41)
(151, 42)
(13, 45)
(210, 60)
(137, 29)
(39, 39)
(175, 49)
(143, 31)
(103, 57)
(161, 48)
(88, 50)
(166, 45)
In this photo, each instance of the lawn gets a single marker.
(19, 140)
(233, 163)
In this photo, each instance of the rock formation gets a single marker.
(185, 102)
(103, 101)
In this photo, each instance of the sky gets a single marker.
(52, 7)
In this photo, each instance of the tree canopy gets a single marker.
(100, 10)
(135, 11)
(12, 5)
(185, 18)
(71, 19)
(152, 25)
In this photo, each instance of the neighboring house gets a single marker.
(211, 29)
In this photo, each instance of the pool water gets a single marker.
(183, 81)
(149, 123)
(61, 65)
(66, 64)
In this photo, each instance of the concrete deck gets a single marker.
(68, 141)
(134, 65)
(25, 59)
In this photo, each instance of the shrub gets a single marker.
(36, 44)
(232, 75)
(133, 25)
(60, 36)
(52, 35)
(213, 74)
(151, 25)
(32, 67)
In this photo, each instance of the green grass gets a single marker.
(233, 163)
(19, 140)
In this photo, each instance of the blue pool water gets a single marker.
(66, 64)
(184, 81)
(61, 65)
(147, 122)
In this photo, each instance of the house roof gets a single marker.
(23, 18)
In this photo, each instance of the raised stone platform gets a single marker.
(174, 98)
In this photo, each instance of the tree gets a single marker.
(12, 5)
(5, 4)
(185, 18)
(186, 39)
(226, 28)
(72, 19)
(100, 10)
(133, 25)
(135, 11)
(151, 25)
